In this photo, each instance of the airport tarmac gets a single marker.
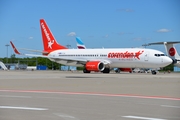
(60, 95)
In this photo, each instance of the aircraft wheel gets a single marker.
(153, 72)
(106, 70)
(117, 70)
(86, 71)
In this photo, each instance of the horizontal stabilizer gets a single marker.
(38, 51)
(161, 43)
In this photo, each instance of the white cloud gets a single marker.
(30, 38)
(129, 10)
(71, 34)
(163, 30)
(138, 39)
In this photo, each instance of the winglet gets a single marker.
(14, 48)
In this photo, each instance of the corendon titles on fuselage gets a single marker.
(124, 55)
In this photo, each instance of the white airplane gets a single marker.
(170, 50)
(98, 59)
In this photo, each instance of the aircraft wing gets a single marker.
(161, 43)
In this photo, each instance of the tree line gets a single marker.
(31, 61)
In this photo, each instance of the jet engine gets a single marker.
(95, 66)
(176, 62)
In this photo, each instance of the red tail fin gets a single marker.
(50, 43)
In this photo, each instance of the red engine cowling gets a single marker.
(95, 66)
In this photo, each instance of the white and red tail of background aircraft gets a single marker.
(99, 59)
(170, 50)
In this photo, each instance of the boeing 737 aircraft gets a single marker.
(170, 50)
(98, 59)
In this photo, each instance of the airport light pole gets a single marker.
(7, 45)
(68, 46)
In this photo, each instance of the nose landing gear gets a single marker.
(153, 72)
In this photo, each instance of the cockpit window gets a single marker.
(158, 55)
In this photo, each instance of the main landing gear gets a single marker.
(106, 70)
(153, 72)
(86, 71)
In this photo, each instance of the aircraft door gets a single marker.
(99, 56)
(146, 57)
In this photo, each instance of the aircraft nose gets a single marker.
(167, 60)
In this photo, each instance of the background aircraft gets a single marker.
(80, 44)
(170, 50)
(99, 59)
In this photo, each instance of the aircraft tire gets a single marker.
(154, 72)
(86, 71)
(106, 70)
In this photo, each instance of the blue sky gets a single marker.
(99, 23)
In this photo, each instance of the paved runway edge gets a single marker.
(91, 93)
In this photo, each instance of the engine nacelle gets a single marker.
(95, 66)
